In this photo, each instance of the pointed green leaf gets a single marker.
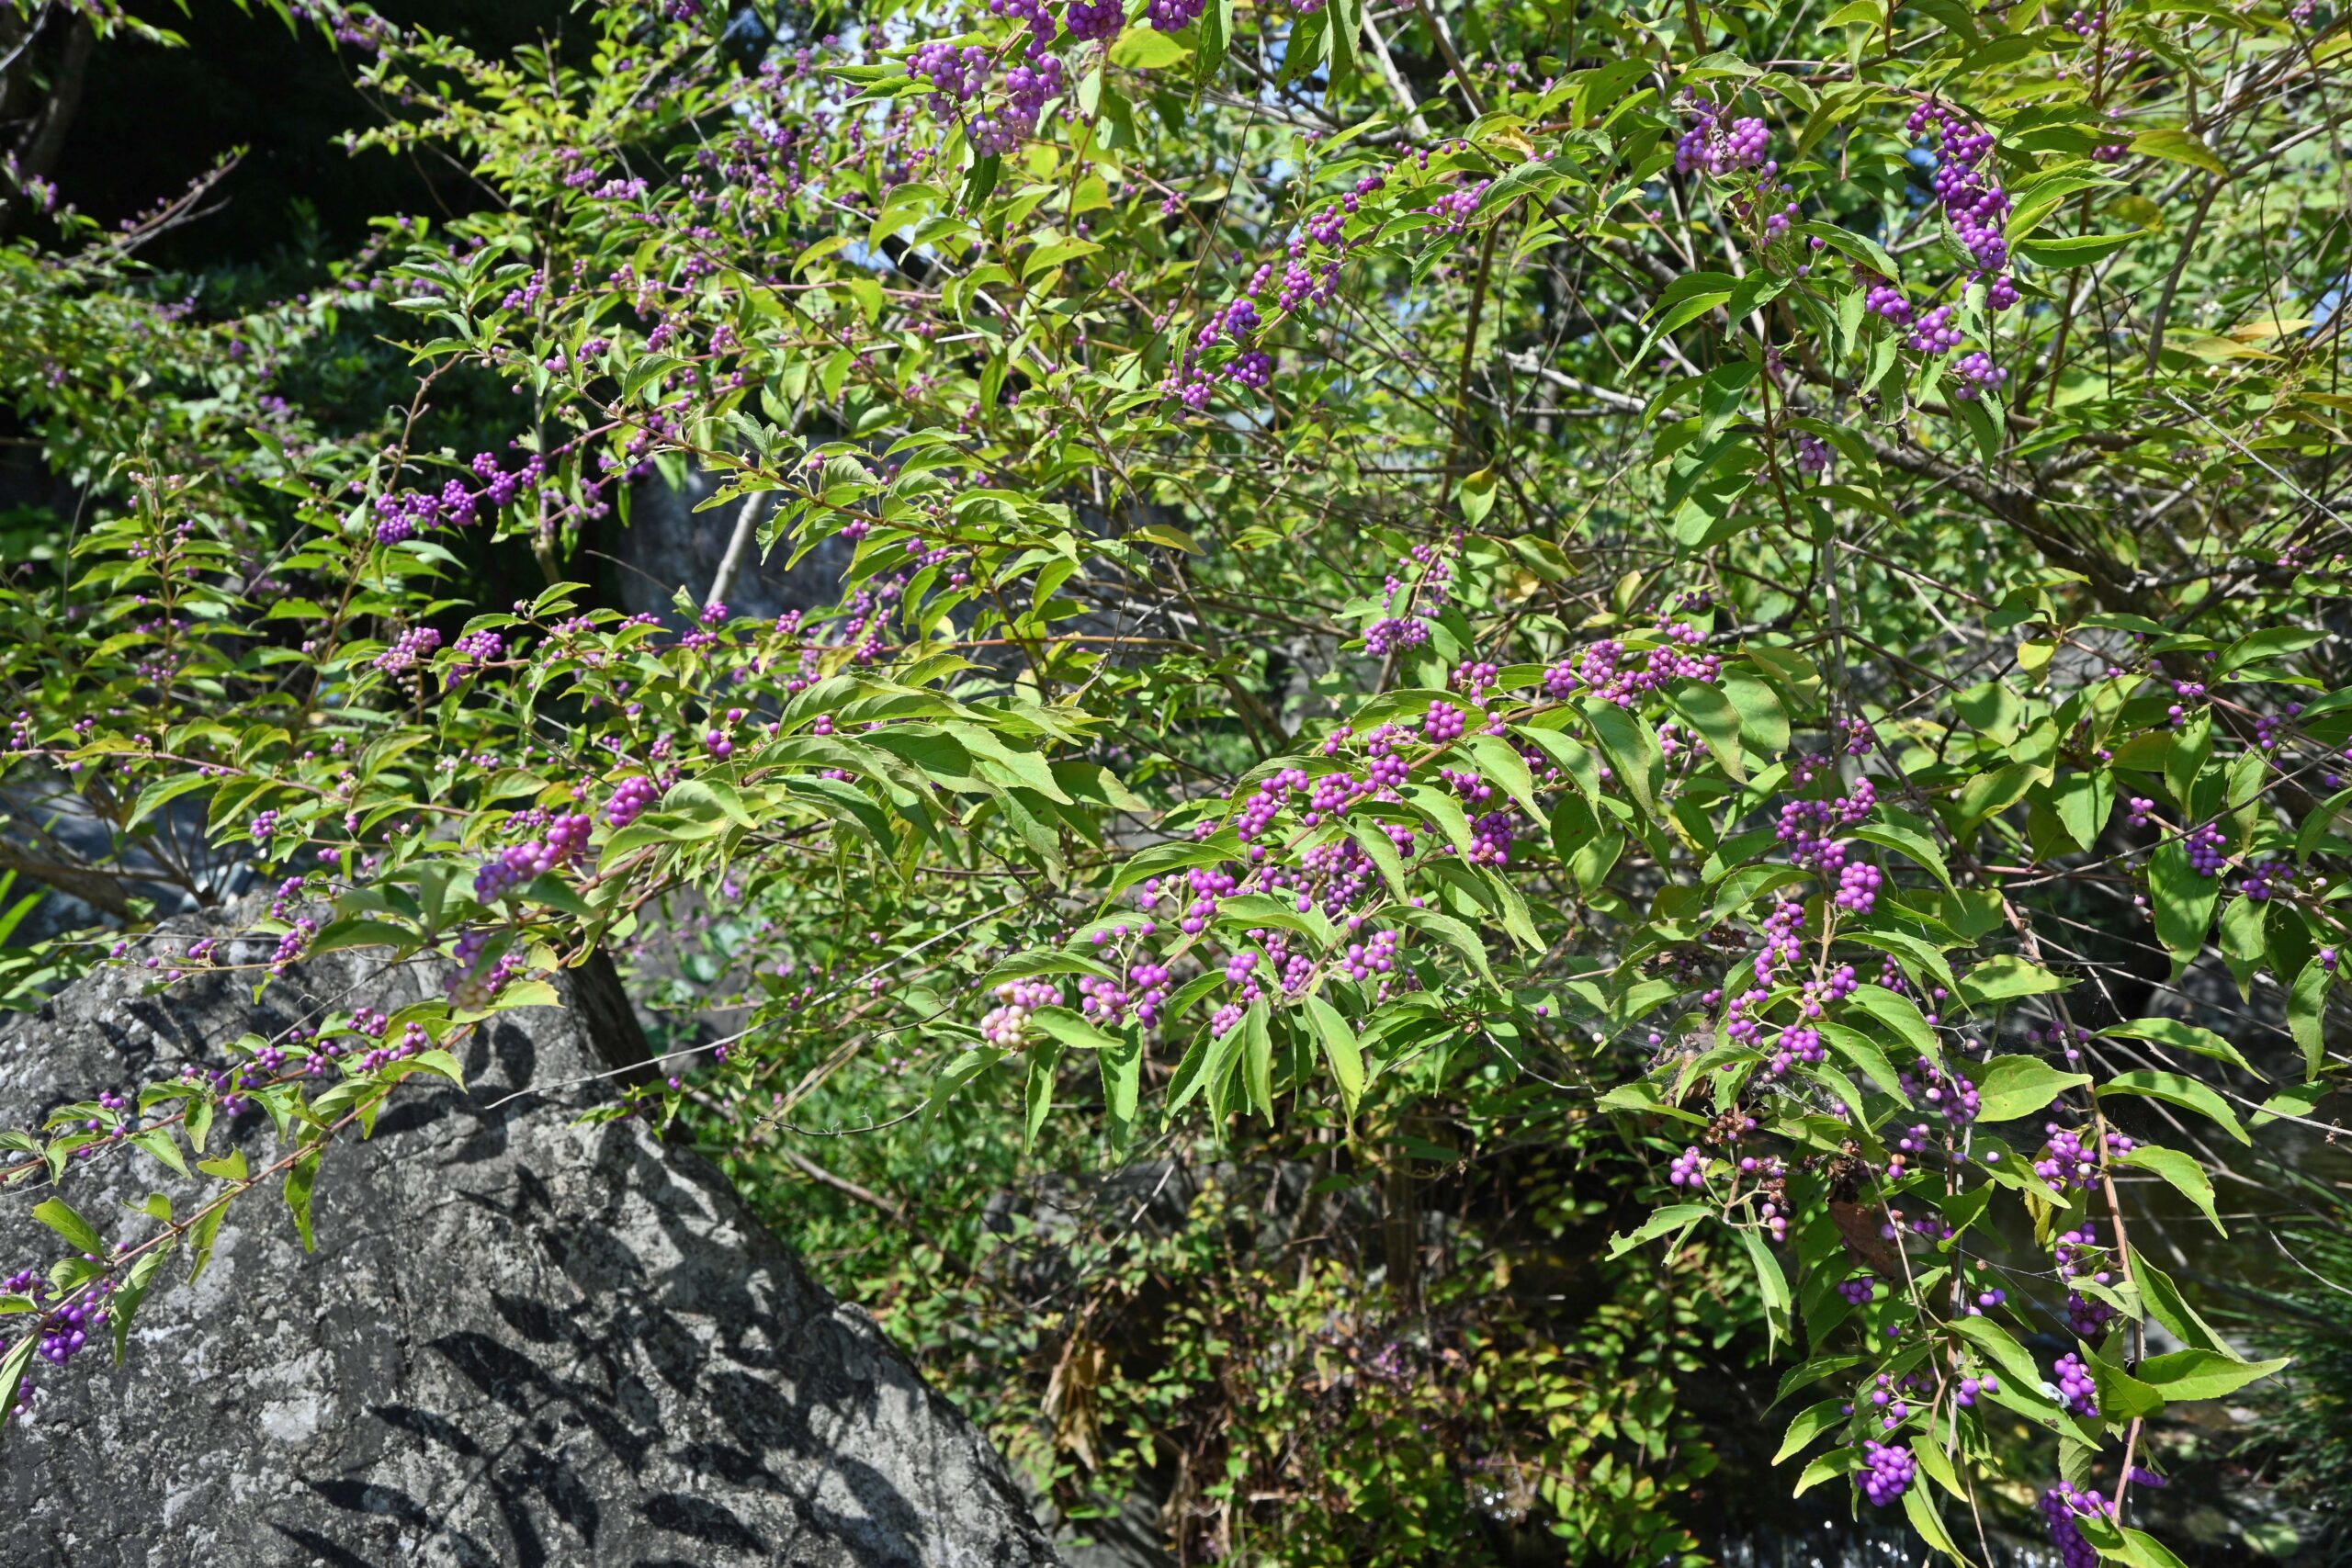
(61, 1217)
(300, 1178)
(1674, 1216)
(2011, 1087)
(2202, 1374)
(2186, 1175)
(2176, 1089)
(2181, 1036)
(1340, 1049)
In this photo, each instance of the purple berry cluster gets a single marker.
(2061, 1507)
(2207, 853)
(1095, 21)
(2067, 1161)
(472, 986)
(565, 840)
(1967, 184)
(1812, 456)
(1889, 1470)
(1006, 1025)
(1716, 144)
(1604, 669)
(1948, 1092)
(2076, 1387)
(413, 645)
(1809, 829)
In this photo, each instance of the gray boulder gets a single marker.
(520, 1341)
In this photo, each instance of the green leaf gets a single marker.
(1907, 836)
(1771, 1281)
(1258, 1058)
(1902, 1015)
(1810, 1423)
(1573, 758)
(1382, 850)
(518, 993)
(1477, 491)
(300, 1178)
(1921, 1512)
(2121, 1396)
(2243, 943)
(1038, 1093)
(158, 1142)
(1074, 1029)
(1863, 1052)
(1633, 751)
(1500, 763)
(2016, 1364)
(2083, 803)
(1217, 27)
(2011, 1087)
(342, 934)
(2272, 642)
(2176, 1089)
(201, 1236)
(2168, 1306)
(2076, 250)
(2186, 1175)
(163, 792)
(2306, 1006)
(2185, 902)
(1988, 794)
(2300, 1100)
(124, 1305)
(2178, 147)
(2146, 1552)
(2202, 1374)
(2006, 977)
(1828, 1467)
(1147, 48)
(440, 1063)
(2180, 1036)
(1250, 909)
(1683, 313)
(707, 798)
(1340, 1050)
(1925, 957)
(61, 1216)
(1674, 1216)
(1763, 723)
(1710, 713)
(1452, 932)
(12, 1372)
(1121, 1065)
(1938, 1468)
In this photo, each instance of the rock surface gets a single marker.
(520, 1341)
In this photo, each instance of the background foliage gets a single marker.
(1537, 755)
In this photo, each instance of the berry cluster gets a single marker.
(566, 839)
(629, 798)
(1006, 1025)
(1604, 670)
(2076, 1387)
(1889, 1469)
(2061, 1507)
